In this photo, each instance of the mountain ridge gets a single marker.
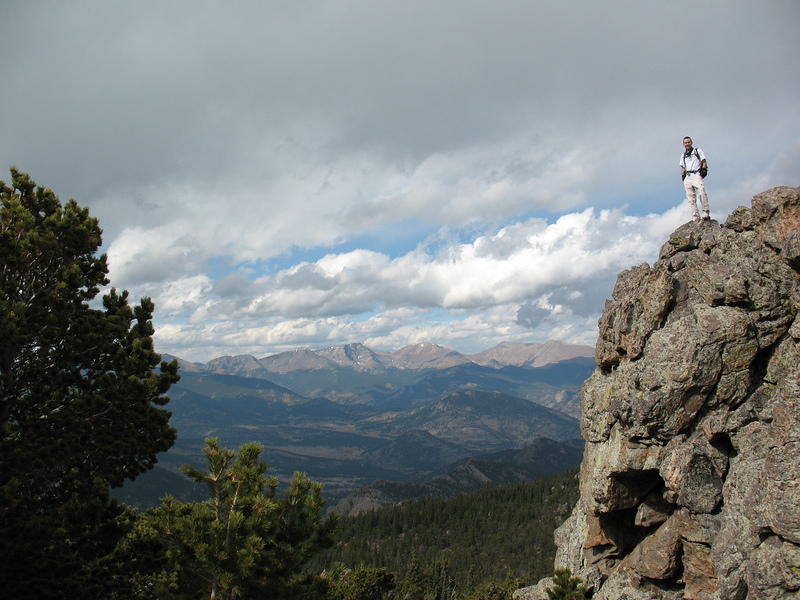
(543, 457)
(423, 355)
(343, 445)
(479, 419)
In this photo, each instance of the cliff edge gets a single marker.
(690, 481)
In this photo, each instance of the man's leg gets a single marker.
(701, 192)
(691, 197)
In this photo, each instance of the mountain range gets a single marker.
(360, 358)
(349, 416)
(355, 374)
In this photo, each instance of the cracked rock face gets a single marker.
(690, 482)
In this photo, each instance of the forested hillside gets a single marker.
(500, 533)
(542, 458)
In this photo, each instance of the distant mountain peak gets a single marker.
(244, 365)
(355, 356)
(422, 355)
(426, 355)
(299, 359)
(421, 346)
(521, 354)
(184, 365)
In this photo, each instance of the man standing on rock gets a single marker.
(693, 170)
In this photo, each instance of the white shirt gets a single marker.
(692, 163)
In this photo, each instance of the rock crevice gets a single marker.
(690, 481)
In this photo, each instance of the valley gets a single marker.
(350, 417)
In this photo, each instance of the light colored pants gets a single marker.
(693, 184)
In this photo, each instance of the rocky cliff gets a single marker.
(690, 480)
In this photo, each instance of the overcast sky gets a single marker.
(310, 173)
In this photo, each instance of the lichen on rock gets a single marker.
(690, 481)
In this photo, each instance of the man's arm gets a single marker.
(702, 157)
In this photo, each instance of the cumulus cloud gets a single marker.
(324, 205)
(490, 270)
(530, 279)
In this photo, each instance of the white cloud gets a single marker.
(319, 205)
(529, 280)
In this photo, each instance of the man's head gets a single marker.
(687, 142)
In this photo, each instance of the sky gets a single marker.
(283, 174)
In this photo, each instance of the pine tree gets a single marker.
(414, 583)
(79, 397)
(361, 583)
(244, 541)
(493, 590)
(567, 587)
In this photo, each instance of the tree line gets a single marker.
(494, 536)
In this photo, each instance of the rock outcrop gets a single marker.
(690, 481)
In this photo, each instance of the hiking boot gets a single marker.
(706, 217)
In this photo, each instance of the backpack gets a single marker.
(703, 170)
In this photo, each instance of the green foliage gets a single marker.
(441, 548)
(493, 590)
(415, 581)
(567, 587)
(244, 541)
(79, 397)
(361, 583)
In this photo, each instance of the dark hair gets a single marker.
(687, 137)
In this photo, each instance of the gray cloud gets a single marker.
(304, 277)
(201, 131)
(581, 299)
(234, 285)
(532, 315)
(120, 96)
